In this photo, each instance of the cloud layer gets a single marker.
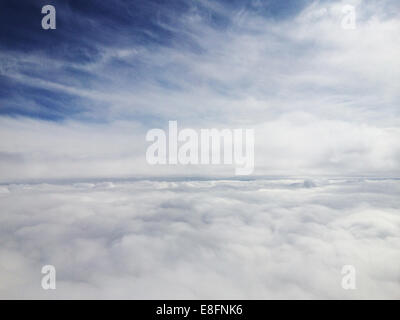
(202, 239)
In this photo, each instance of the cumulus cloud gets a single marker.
(286, 238)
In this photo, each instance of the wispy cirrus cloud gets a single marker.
(307, 63)
(220, 65)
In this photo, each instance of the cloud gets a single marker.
(201, 239)
(253, 69)
(323, 100)
(294, 144)
(77, 192)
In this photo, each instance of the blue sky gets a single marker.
(77, 101)
(85, 29)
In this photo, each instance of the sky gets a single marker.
(77, 192)
(76, 102)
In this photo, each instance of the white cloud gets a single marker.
(293, 144)
(323, 100)
(201, 239)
